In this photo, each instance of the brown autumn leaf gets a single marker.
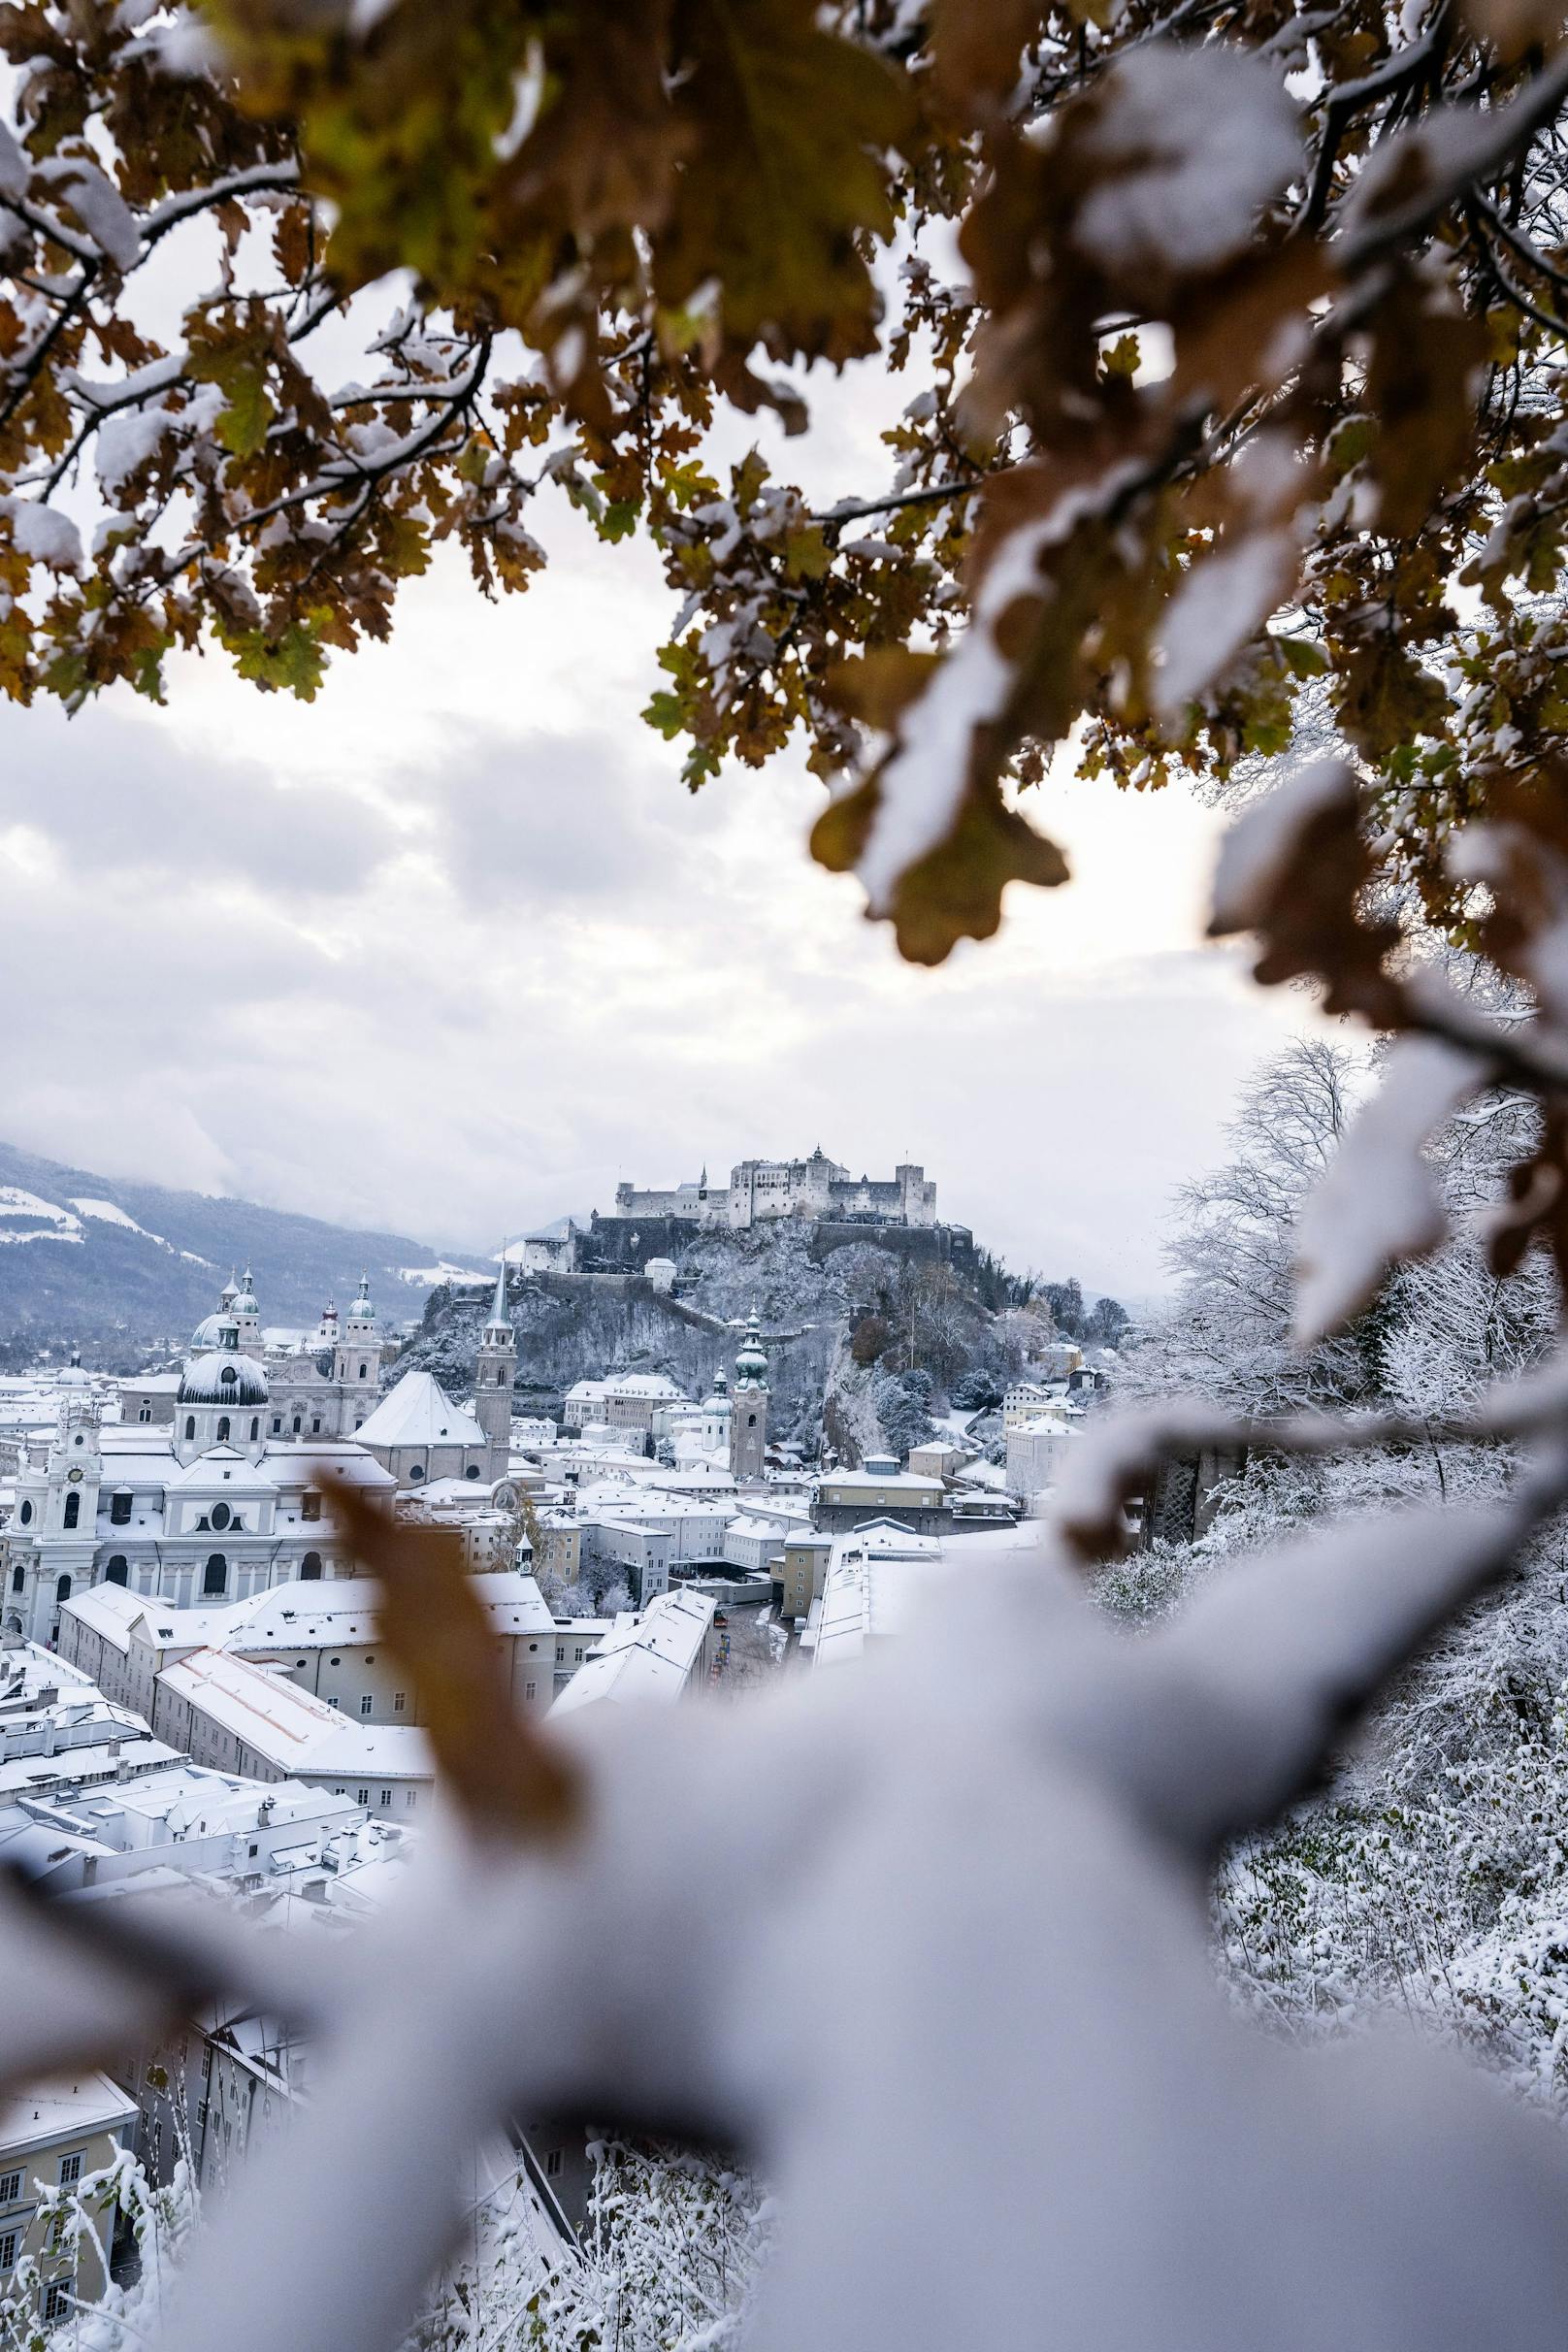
(506, 1774)
(791, 126)
(977, 46)
(1421, 384)
(1514, 26)
(955, 891)
(1303, 905)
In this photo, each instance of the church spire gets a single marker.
(499, 1317)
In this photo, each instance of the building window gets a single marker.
(7, 2250)
(62, 1591)
(57, 2302)
(17, 1578)
(10, 2188)
(119, 1509)
(415, 1473)
(222, 1428)
(398, 1698)
(298, 1425)
(115, 1573)
(310, 1504)
(145, 1414)
(277, 1424)
(216, 1574)
(364, 1371)
(221, 1515)
(25, 1514)
(255, 1425)
(190, 1424)
(362, 1796)
(310, 1567)
(386, 1796)
(408, 1799)
(365, 1703)
(70, 2170)
(552, 2165)
(73, 1507)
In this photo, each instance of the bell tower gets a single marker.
(748, 1417)
(492, 1374)
(356, 1360)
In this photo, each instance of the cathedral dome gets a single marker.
(221, 1377)
(208, 1332)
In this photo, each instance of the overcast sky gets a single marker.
(452, 950)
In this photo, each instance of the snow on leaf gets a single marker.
(1258, 850)
(1193, 142)
(1379, 1202)
(100, 208)
(1222, 603)
(43, 533)
(16, 169)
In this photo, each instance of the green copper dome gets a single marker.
(751, 1365)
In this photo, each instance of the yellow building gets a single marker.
(53, 2138)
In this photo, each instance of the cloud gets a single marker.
(543, 820)
(452, 950)
(120, 795)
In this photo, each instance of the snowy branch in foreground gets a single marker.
(989, 1872)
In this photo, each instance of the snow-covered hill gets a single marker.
(115, 1266)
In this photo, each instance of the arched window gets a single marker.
(751, 1421)
(255, 1425)
(216, 1574)
(62, 1591)
(310, 1567)
(190, 1424)
(116, 1573)
(222, 1427)
(73, 1507)
(298, 1425)
(25, 1514)
(17, 1578)
(364, 1371)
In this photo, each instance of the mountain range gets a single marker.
(115, 1267)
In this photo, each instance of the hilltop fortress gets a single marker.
(818, 1188)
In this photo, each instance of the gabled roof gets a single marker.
(418, 1412)
(651, 1657)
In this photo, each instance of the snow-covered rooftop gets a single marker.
(651, 1657)
(418, 1412)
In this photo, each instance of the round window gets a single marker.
(220, 1515)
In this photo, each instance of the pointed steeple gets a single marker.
(499, 1319)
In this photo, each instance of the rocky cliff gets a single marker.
(809, 1299)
